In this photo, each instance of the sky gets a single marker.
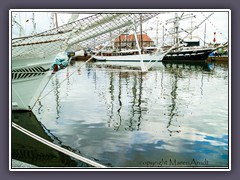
(218, 23)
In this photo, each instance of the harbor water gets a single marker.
(175, 115)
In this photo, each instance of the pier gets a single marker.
(218, 58)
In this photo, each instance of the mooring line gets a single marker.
(64, 79)
(80, 66)
(58, 148)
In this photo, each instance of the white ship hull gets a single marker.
(29, 78)
(131, 58)
(31, 72)
(26, 91)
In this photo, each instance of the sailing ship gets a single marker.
(191, 49)
(125, 49)
(134, 54)
(184, 50)
(189, 53)
(33, 55)
(130, 55)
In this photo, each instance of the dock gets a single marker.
(217, 58)
(81, 58)
(20, 164)
(210, 58)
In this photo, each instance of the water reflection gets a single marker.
(29, 150)
(59, 90)
(131, 95)
(124, 118)
(122, 91)
(181, 70)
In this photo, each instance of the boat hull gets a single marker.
(130, 58)
(188, 55)
(30, 76)
(27, 85)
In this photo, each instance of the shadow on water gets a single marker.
(29, 150)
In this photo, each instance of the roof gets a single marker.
(130, 38)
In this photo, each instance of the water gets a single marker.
(175, 115)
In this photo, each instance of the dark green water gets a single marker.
(175, 115)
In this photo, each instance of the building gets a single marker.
(128, 41)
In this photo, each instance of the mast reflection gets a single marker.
(123, 96)
(177, 69)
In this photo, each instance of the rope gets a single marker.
(219, 32)
(164, 53)
(75, 34)
(56, 147)
(79, 67)
(127, 29)
(119, 33)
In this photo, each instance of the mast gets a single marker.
(191, 36)
(143, 68)
(34, 24)
(176, 28)
(176, 23)
(157, 32)
(110, 39)
(141, 37)
(205, 34)
(20, 29)
(163, 36)
(120, 43)
(56, 21)
(51, 21)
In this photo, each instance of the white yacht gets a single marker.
(131, 55)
